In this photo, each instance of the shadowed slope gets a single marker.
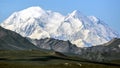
(10, 40)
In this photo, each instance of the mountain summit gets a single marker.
(37, 23)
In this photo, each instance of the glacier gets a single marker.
(37, 23)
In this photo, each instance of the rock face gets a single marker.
(107, 51)
(10, 40)
(37, 23)
(104, 52)
(56, 45)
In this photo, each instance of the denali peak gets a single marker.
(37, 23)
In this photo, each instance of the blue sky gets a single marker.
(106, 10)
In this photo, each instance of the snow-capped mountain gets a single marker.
(37, 23)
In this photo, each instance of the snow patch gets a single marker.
(119, 45)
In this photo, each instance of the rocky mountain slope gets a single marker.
(105, 52)
(102, 53)
(56, 45)
(10, 40)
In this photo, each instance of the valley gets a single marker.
(47, 59)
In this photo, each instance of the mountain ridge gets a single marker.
(100, 53)
(37, 23)
(10, 40)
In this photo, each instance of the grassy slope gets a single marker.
(10, 40)
(40, 59)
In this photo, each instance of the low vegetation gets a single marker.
(48, 59)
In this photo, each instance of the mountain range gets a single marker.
(104, 52)
(81, 30)
(38, 38)
(109, 51)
